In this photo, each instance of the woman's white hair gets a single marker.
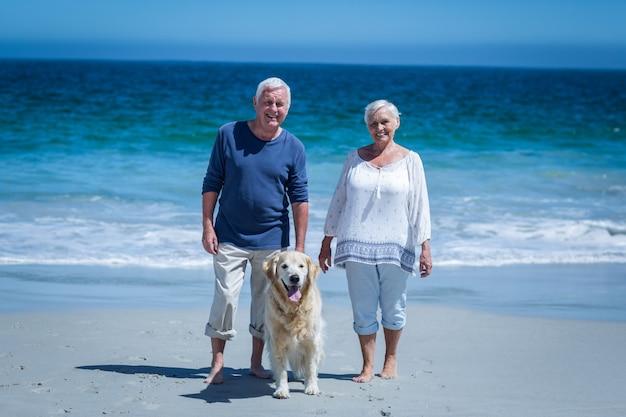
(374, 106)
(272, 83)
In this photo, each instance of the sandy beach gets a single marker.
(453, 362)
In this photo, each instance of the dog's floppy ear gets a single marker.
(313, 269)
(270, 267)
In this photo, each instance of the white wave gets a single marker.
(529, 242)
(166, 238)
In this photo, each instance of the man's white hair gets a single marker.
(272, 83)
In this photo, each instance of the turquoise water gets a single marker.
(101, 162)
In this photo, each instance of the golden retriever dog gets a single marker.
(293, 320)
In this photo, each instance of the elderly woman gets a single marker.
(379, 214)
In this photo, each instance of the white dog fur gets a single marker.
(293, 320)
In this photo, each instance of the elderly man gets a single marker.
(256, 169)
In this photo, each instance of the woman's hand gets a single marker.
(325, 257)
(426, 263)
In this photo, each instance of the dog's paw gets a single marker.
(281, 393)
(312, 390)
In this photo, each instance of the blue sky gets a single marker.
(545, 33)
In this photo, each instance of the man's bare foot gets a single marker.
(260, 372)
(215, 377)
(365, 376)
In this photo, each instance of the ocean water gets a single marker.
(101, 162)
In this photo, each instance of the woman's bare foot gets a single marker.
(365, 376)
(390, 369)
(259, 372)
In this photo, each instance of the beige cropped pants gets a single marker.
(230, 266)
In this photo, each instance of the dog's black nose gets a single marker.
(294, 279)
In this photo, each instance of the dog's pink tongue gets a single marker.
(294, 293)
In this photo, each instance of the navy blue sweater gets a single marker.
(256, 181)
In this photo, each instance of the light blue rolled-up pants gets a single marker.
(371, 286)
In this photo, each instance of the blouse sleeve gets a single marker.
(419, 208)
(338, 202)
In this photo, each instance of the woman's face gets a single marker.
(382, 125)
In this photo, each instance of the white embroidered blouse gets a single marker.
(379, 215)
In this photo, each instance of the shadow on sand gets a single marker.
(238, 384)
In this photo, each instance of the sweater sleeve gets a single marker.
(419, 208)
(214, 177)
(298, 185)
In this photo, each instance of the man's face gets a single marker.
(272, 107)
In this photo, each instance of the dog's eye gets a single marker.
(301, 266)
(284, 266)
